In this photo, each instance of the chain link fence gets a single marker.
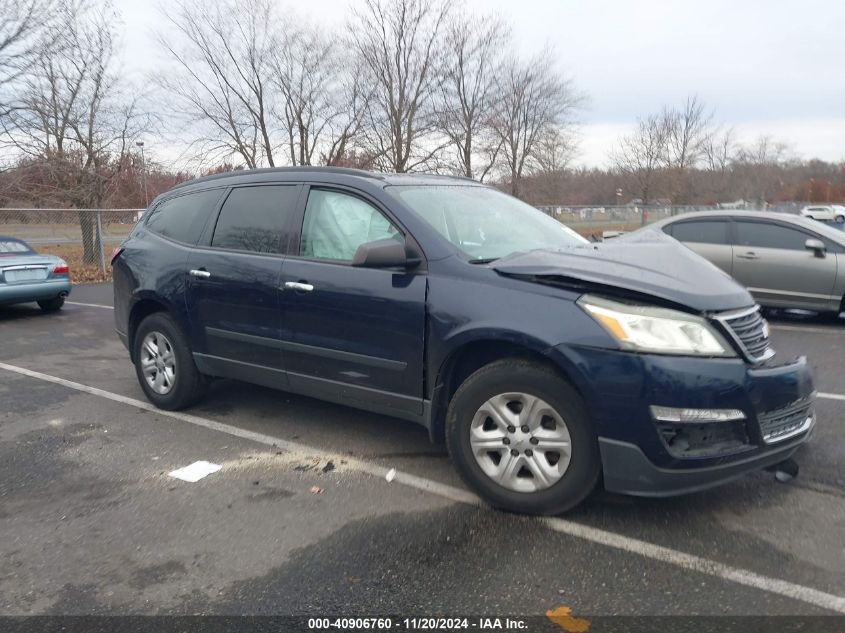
(84, 238)
(597, 219)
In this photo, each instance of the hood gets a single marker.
(643, 263)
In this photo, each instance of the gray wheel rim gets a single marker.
(158, 362)
(520, 442)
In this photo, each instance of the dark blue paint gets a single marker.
(385, 340)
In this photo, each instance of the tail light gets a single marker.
(116, 253)
(61, 269)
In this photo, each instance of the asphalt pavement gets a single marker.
(300, 520)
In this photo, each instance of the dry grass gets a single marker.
(80, 273)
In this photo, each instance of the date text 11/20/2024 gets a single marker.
(418, 624)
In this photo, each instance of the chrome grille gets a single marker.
(787, 422)
(750, 330)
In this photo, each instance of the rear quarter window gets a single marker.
(182, 218)
(700, 232)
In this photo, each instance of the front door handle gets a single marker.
(202, 274)
(748, 255)
(298, 286)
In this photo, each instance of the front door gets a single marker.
(772, 261)
(352, 335)
(233, 284)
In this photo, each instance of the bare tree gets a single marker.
(467, 95)
(719, 150)
(223, 51)
(352, 98)
(76, 119)
(719, 153)
(398, 42)
(533, 99)
(555, 149)
(760, 166)
(642, 154)
(23, 24)
(688, 129)
(323, 101)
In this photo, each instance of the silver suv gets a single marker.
(825, 212)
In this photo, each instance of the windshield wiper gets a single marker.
(483, 260)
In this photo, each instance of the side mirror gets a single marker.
(386, 253)
(817, 246)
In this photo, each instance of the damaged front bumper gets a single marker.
(759, 416)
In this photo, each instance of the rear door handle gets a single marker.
(202, 274)
(748, 255)
(298, 286)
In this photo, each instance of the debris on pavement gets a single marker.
(316, 490)
(391, 475)
(329, 466)
(192, 473)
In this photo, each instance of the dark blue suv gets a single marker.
(546, 363)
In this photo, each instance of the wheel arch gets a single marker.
(141, 309)
(471, 355)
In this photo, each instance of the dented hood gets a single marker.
(643, 263)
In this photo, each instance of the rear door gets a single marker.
(772, 261)
(352, 335)
(233, 284)
(709, 237)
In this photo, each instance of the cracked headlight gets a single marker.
(643, 328)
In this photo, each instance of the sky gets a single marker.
(775, 67)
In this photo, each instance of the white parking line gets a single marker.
(620, 542)
(817, 330)
(89, 305)
(830, 396)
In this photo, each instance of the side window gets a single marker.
(703, 232)
(183, 218)
(253, 218)
(764, 235)
(336, 224)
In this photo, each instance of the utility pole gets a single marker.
(144, 173)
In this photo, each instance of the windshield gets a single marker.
(484, 223)
(12, 246)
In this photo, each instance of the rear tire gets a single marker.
(840, 219)
(534, 406)
(51, 305)
(164, 364)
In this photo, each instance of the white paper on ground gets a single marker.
(196, 471)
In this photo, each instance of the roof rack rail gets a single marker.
(265, 170)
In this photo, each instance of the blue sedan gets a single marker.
(27, 276)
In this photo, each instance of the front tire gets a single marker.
(164, 364)
(840, 219)
(51, 305)
(519, 435)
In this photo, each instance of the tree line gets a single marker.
(401, 85)
(405, 85)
